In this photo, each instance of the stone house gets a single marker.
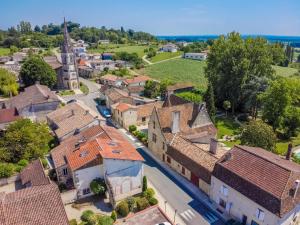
(100, 152)
(181, 134)
(111, 80)
(179, 88)
(256, 186)
(115, 95)
(35, 102)
(170, 47)
(71, 119)
(8, 116)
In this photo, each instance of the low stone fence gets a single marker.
(9, 180)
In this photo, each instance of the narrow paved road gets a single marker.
(191, 211)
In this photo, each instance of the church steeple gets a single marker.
(67, 47)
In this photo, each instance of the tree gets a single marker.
(291, 121)
(145, 184)
(114, 215)
(258, 134)
(36, 69)
(13, 49)
(8, 83)
(98, 186)
(105, 220)
(226, 106)
(37, 29)
(25, 139)
(152, 89)
(209, 99)
(24, 27)
(275, 101)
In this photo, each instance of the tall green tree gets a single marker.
(291, 121)
(258, 134)
(36, 69)
(8, 83)
(25, 139)
(209, 98)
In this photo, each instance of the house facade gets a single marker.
(257, 187)
(170, 47)
(195, 56)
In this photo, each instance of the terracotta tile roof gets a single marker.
(116, 94)
(33, 206)
(110, 145)
(69, 118)
(173, 100)
(34, 175)
(195, 158)
(81, 62)
(67, 146)
(261, 176)
(35, 94)
(53, 62)
(137, 79)
(122, 107)
(147, 109)
(178, 86)
(110, 77)
(135, 89)
(9, 115)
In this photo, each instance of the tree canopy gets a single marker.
(8, 83)
(36, 69)
(24, 139)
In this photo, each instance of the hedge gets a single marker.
(122, 209)
(153, 201)
(142, 203)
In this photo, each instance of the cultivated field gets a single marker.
(139, 49)
(4, 51)
(164, 56)
(285, 71)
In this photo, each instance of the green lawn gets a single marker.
(164, 56)
(84, 89)
(139, 49)
(179, 70)
(285, 71)
(227, 126)
(4, 51)
(66, 92)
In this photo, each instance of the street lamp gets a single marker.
(175, 215)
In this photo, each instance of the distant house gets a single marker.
(107, 56)
(111, 80)
(181, 134)
(19, 56)
(104, 42)
(256, 186)
(170, 47)
(55, 65)
(115, 95)
(4, 59)
(196, 56)
(179, 87)
(182, 43)
(126, 115)
(136, 81)
(8, 116)
(100, 152)
(37, 202)
(71, 119)
(35, 102)
(101, 65)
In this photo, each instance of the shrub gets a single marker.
(105, 220)
(52, 174)
(149, 193)
(135, 133)
(6, 169)
(98, 186)
(145, 185)
(153, 201)
(44, 162)
(88, 217)
(132, 128)
(131, 203)
(23, 162)
(122, 209)
(142, 203)
(141, 135)
(73, 222)
(62, 187)
(113, 215)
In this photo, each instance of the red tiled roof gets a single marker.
(34, 174)
(8, 115)
(179, 86)
(81, 62)
(122, 107)
(137, 79)
(262, 176)
(110, 77)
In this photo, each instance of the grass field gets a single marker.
(179, 70)
(285, 71)
(164, 56)
(4, 51)
(139, 49)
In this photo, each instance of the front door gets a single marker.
(194, 179)
(244, 220)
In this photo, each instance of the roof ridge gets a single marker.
(285, 185)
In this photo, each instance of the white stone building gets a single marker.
(195, 56)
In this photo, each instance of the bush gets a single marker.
(105, 220)
(122, 209)
(113, 215)
(131, 203)
(135, 133)
(6, 169)
(132, 128)
(52, 174)
(98, 186)
(73, 222)
(23, 162)
(141, 135)
(145, 185)
(89, 217)
(142, 203)
(45, 163)
(149, 193)
(153, 201)
(62, 187)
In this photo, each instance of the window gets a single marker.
(260, 214)
(153, 124)
(224, 190)
(154, 138)
(65, 171)
(183, 170)
(143, 119)
(163, 146)
(254, 223)
(168, 159)
(222, 203)
(86, 191)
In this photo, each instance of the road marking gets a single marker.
(188, 214)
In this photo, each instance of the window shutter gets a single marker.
(257, 213)
(261, 216)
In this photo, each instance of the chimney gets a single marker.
(289, 152)
(213, 146)
(175, 122)
(87, 112)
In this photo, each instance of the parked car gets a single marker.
(164, 223)
(105, 112)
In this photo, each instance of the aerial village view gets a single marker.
(150, 113)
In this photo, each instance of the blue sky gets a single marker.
(163, 17)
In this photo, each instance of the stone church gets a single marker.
(68, 78)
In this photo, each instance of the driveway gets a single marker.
(191, 211)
